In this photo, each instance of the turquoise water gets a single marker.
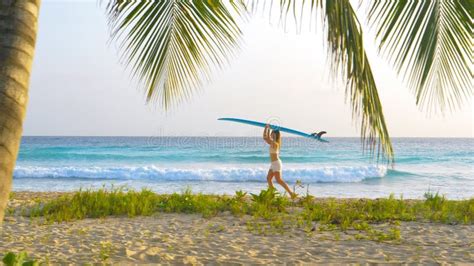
(224, 165)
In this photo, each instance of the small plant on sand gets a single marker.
(268, 203)
(105, 251)
(20, 259)
(437, 208)
(265, 197)
(361, 226)
(187, 202)
(381, 236)
(215, 228)
(268, 209)
(240, 195)
(238, 205)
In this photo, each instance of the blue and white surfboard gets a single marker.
(316, 136)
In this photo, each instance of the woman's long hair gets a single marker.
(277, 135)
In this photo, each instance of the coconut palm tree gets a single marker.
(172, 46)
(18, 26)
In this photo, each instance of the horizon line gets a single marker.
(204, 136)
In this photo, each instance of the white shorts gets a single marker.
(276, 166)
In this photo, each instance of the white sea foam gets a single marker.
(344, 174)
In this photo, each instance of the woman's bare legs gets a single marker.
(269, 179)
(283, 183)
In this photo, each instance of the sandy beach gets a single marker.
(236, 133)
(224, 239)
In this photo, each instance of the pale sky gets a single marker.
(79, 88)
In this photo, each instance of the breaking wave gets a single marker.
(343, 174)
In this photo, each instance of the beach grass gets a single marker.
(268, 205)
(265, 213)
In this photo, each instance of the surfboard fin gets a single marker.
(318, 134)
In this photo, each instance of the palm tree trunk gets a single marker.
(18, 27)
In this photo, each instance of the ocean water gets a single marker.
(222, 165)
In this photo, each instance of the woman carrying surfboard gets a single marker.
(273, 138)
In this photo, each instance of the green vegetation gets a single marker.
(434, 208)
(106, 249)
(267, 204)
(20, 259)
(267, 212)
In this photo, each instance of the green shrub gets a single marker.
(268, 205)
(20, 259)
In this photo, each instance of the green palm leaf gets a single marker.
(349, 59)
(344, 36)
(171, 45)
(429, 42)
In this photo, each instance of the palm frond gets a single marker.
(346, 46)
(349, 59)
(429, 43)
(171, 46)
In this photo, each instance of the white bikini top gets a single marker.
(274, 150)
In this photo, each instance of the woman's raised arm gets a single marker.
(266, 134)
